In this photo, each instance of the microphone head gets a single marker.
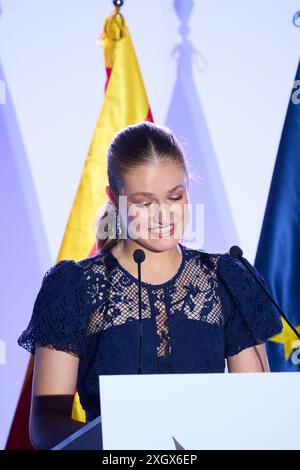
(138, 255)
(236, 252)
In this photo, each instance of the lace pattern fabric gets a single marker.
(211, 309)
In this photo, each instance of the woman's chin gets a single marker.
(163, 244)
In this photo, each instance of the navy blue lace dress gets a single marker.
(209, 310)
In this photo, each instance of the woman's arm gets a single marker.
(53, 389)
(253, 359)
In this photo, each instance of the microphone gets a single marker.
(237, 253)
(139, 257)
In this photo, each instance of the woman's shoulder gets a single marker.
(58, 319)
(208, 259)
(99, 264)
(82, 274)
(228, 270)
(223, 263)
(69, 276)
(60, 275)
(60, 267)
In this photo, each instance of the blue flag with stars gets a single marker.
(278, 253)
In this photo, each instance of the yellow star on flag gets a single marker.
(288, 338)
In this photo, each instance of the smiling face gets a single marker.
(157, 204)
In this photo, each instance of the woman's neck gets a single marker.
(160, 265)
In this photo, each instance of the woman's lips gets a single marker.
(162, 232)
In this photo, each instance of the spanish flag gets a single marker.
(125, 103)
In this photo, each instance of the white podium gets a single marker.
(201, 411)
(194, 412)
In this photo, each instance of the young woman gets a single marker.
(199, 309)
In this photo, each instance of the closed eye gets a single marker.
(148, 203)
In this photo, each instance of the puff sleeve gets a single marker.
(58, 317)
(252, 318)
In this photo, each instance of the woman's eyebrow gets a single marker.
(151, 194)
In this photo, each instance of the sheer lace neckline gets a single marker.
(147, 284)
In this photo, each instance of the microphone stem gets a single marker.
(139, 371)
(249, 268)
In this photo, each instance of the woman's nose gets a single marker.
(162, 214)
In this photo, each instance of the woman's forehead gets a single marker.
(154, 179)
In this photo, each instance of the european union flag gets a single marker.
(278, 253)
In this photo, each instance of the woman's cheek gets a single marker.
(137, 223)
(180, 212)
(186, 215)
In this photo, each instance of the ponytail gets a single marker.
(105, 224)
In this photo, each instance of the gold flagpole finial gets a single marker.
(118, 4)
(114, 25)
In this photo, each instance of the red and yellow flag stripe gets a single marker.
(125, 103)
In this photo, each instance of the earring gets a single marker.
(118, 224)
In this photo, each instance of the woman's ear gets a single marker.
(111, 195)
